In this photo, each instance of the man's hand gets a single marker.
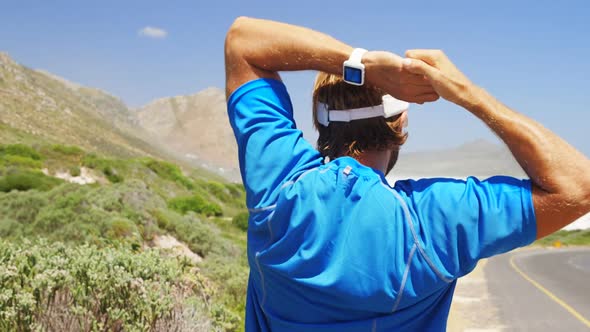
(442, 74)
(385, 70)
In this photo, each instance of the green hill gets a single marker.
(132, 203)
(100, 230)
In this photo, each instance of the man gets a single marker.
(331, 246)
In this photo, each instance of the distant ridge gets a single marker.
(478, 158)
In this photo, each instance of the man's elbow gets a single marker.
(235, 34)
(587, 199)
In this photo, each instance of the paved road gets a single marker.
(541, 289)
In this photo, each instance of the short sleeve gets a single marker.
(271, 150)
(461, 222)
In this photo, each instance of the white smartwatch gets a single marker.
(353, 70)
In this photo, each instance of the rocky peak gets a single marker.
(195, 125)
(5, 59)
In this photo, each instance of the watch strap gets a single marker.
(357, 55)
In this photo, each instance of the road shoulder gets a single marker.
(472, 308)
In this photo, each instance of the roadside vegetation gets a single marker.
(566, 238)
(82, 257)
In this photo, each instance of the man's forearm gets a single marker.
(553, 165)
(549, 161)
(275, 46)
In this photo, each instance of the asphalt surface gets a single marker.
(541, 289)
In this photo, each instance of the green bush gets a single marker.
(169, 171)
(22, 206)
(199, 236)
(56, 287)
(121, 228)
(91, 160)
(109, 167)
(23, 180)
(573, 237)
(194, 203)
(75, 171)
(112, 174)
(68, 150)
(219, 191)
(10, 228)
(241, 221)
(233, 272)
(20, 150)
(20, 162)
(236, 190)
(78, 214)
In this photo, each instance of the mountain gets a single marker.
(34, 103)
(195, 126)
(478, 158)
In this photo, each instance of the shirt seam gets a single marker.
(415, 236)
(264, 208)
(400, 293)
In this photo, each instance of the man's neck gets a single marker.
(378, 160)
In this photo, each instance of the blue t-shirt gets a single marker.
(332, 247)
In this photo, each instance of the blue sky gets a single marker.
(532, 55)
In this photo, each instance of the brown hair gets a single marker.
(353, 138)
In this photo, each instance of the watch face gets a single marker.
(354, 75)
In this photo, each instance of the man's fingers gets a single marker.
(429, 97)
(423, 98)
(415, 79)
(419, 67)
(417, 90)
(431, 57)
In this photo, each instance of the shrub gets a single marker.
(10, 228)
(233, 272)
(20, 162)
(241, 221)
(68, 150)
(200, 237)
(121, 228)
(75, 171)
(236, 190)
(23, 180)
(77, 214)
(56, 287)
(112, 174)
(219, 191)
(22, 206)
(91, 160)
(169, 171)
(194, 203)
(573, 237)
(108, 167)
(20, 150)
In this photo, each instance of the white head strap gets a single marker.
(387, 109)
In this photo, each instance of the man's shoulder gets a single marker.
(258, 88)
(342, 182)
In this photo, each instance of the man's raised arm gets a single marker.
(560, 174)
(256, 48)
